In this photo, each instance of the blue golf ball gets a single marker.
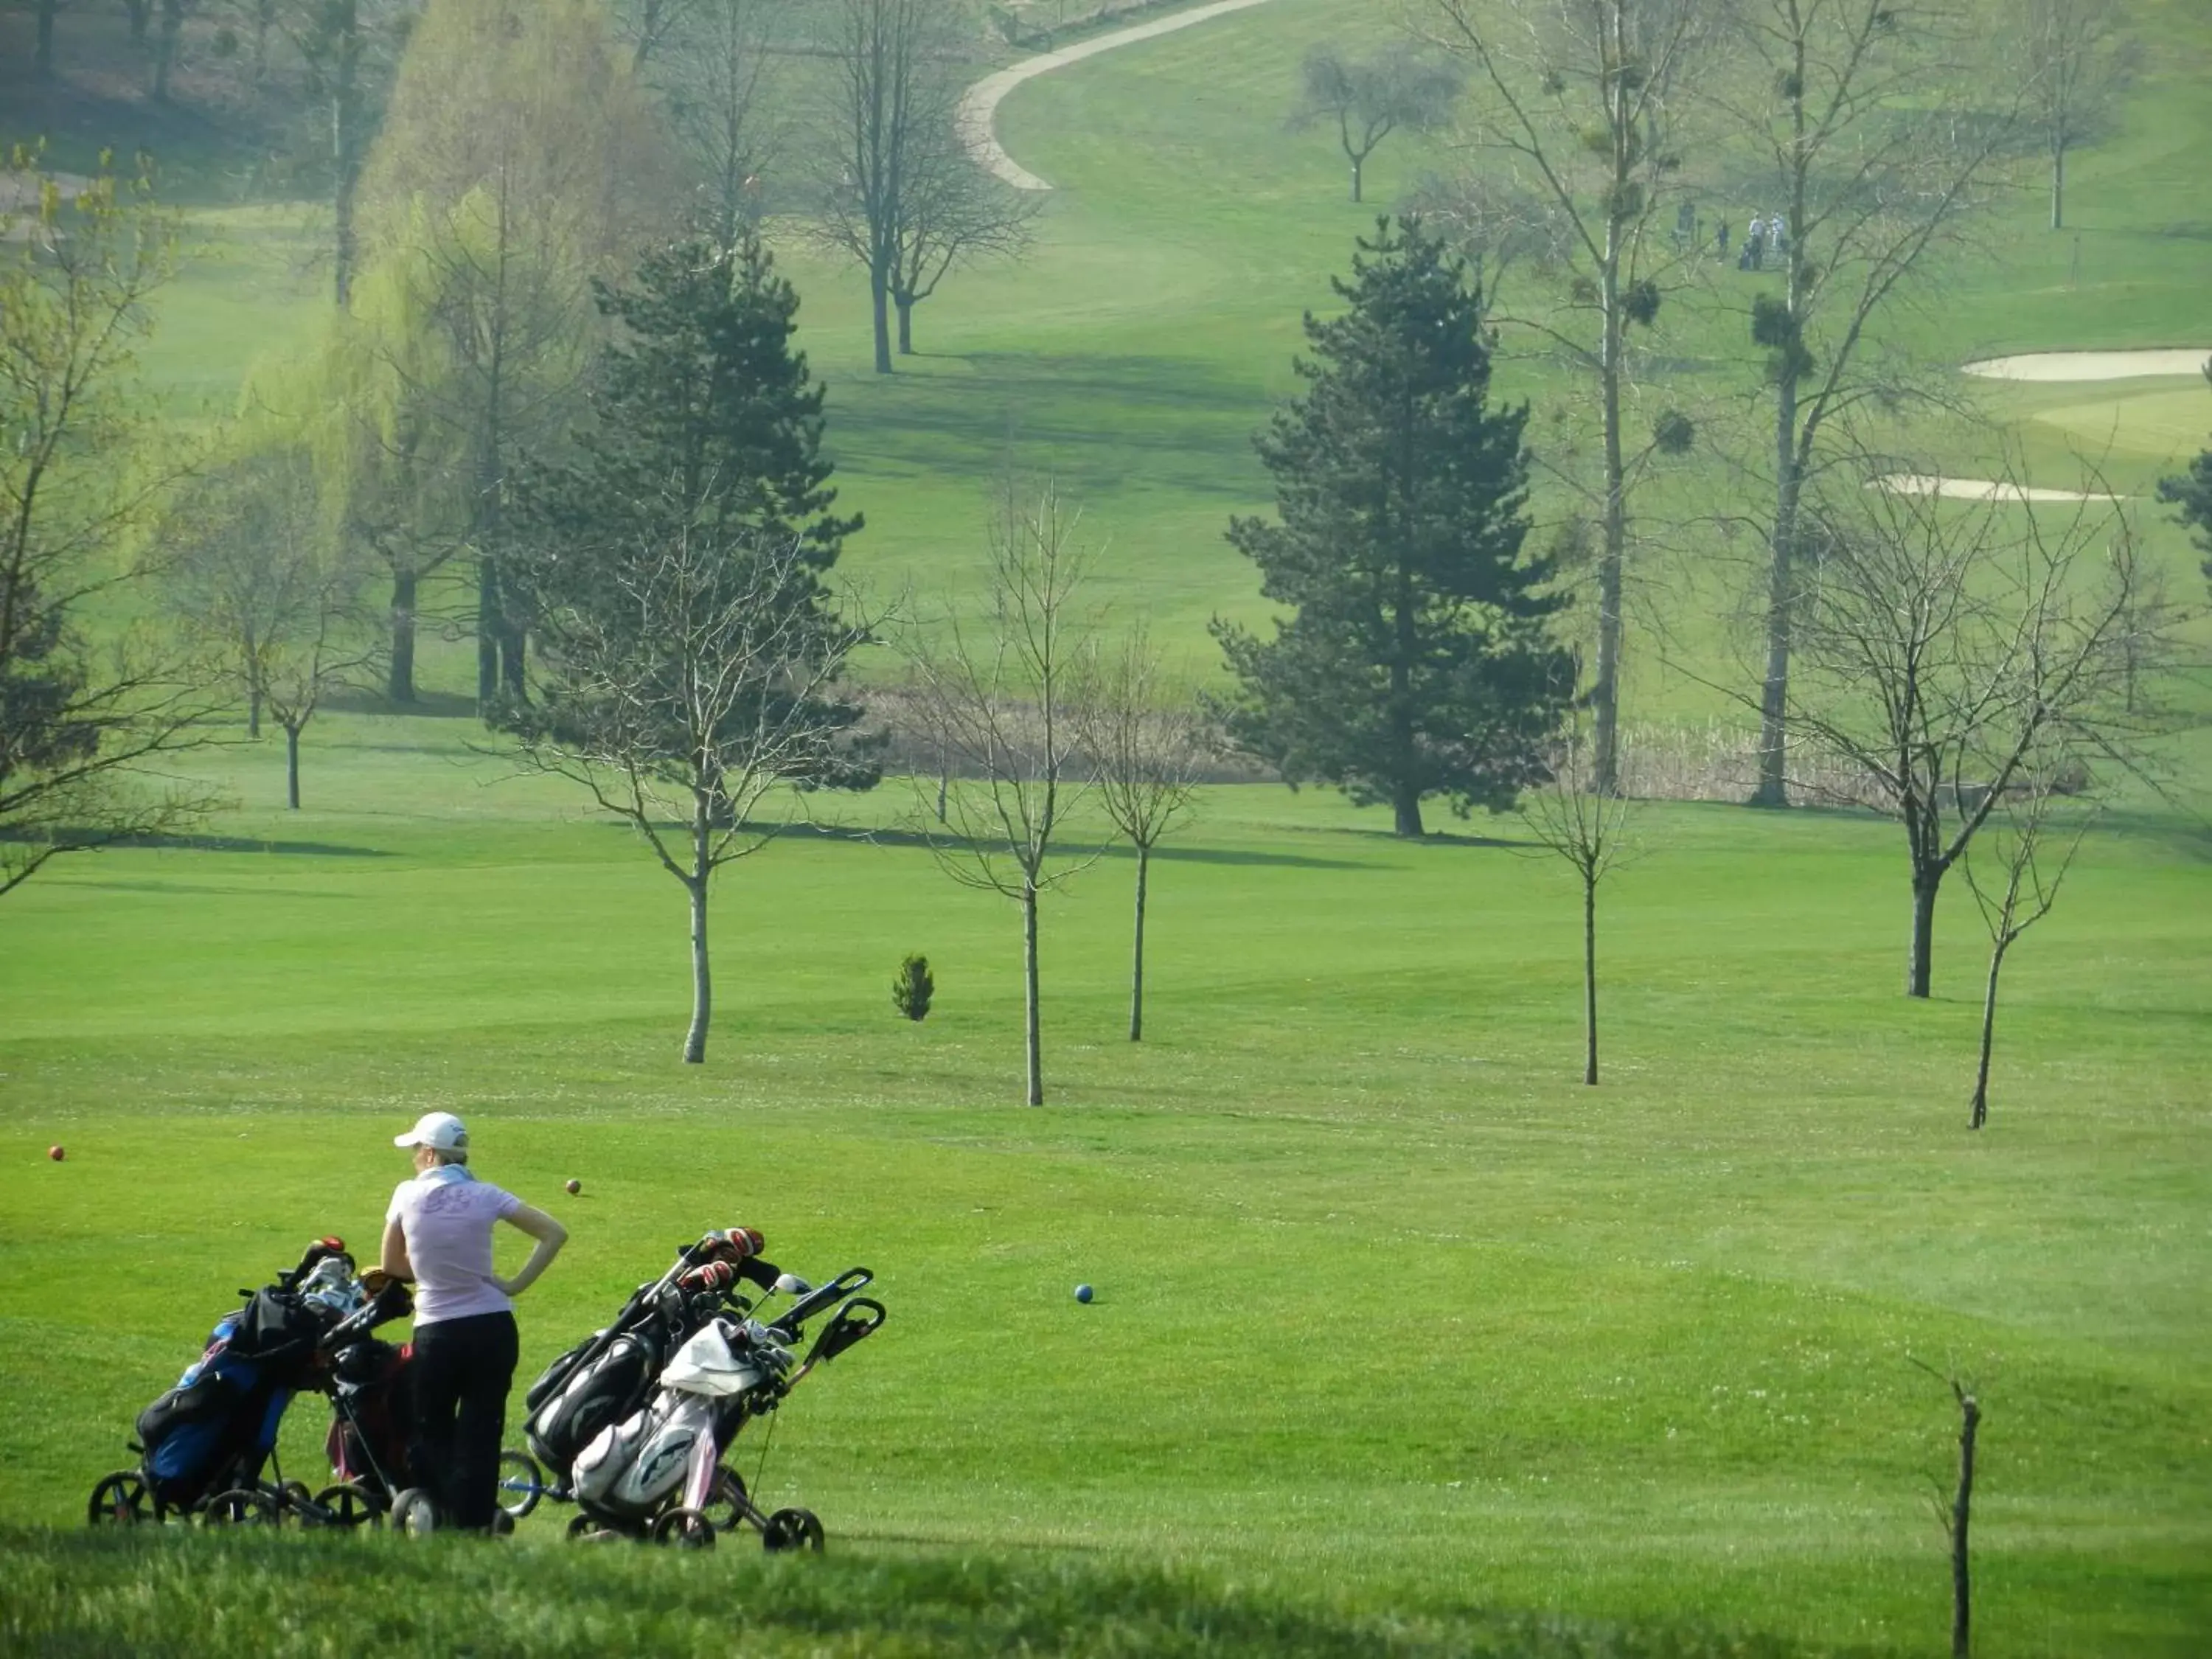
(1083, 1293)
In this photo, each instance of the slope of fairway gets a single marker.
(1391, 1309)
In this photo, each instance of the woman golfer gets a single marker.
(438, 1235)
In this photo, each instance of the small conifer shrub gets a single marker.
(912, 988)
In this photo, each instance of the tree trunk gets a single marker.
(1590, 980)
(1773, 786)
(1981, 1110)
(1923, 934)
(879, 304)
(291, 766)
(488, 631)
(165, 47)
(1357, 169)
(399, 683)
(694, 884)
(253, 711)
(1036, 1058)
(1970, 1420)
(2058, 188)
(514, 651)
(1137, 959)
(905, 324)
(142, 14)
(265, 18)
(42, 58)
(1406, 804)
(1605, 689)
(345, 154)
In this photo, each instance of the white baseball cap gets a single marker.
(439, 1131)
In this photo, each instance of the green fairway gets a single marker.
(1391, 1309)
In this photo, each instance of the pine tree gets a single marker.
(702, 392)
(704, 421)
(1416, 660)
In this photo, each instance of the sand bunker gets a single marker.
(1979, 489)
(2092, 365)
(980, 104)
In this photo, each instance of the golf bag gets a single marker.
(605, 1378)
(372, 1437)
(215, 1428)
(725, 1372)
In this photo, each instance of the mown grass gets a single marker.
(1392, 1311)
(79, 1593)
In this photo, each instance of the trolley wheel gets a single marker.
(348, 1506)
(690, 1529)
(589, 1529)
(728, 1501)
(120, 1499)
(296, 1502)
(415, 1513)
(242, 1506)
(792, 1530)
(521, 1484)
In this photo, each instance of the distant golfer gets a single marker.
(438, 1235)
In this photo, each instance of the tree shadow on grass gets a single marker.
(1088, 414)
(429, 705)
(183, 844)
(1168, 854)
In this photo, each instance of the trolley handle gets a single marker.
(852, 1279)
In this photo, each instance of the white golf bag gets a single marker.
(632, 1469)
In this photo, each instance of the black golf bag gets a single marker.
(605, 1378)
(372, 1440)
(215, 1429)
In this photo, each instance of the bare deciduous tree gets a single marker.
(899, 193)
(711, 86)
(1148, 743)
(1571, 819)
(1941, 647)
(2015, 873)
(685, 679)
(1578, 97)
(1369, 98)
(79, 725)
(259, 575)
(1000, 700)
(1879, 130)
(2079, 61)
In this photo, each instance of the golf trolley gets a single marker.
(635, 1421)
(203, 1445)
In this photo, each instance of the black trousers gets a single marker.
(462, 1371)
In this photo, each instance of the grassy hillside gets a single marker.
(1153, 328)
(1391, 1309)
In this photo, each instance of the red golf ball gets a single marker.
(55, 1153)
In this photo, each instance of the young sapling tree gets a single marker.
(2015, 870)
(999, 702)
(1571, 819)
(1148, 743)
